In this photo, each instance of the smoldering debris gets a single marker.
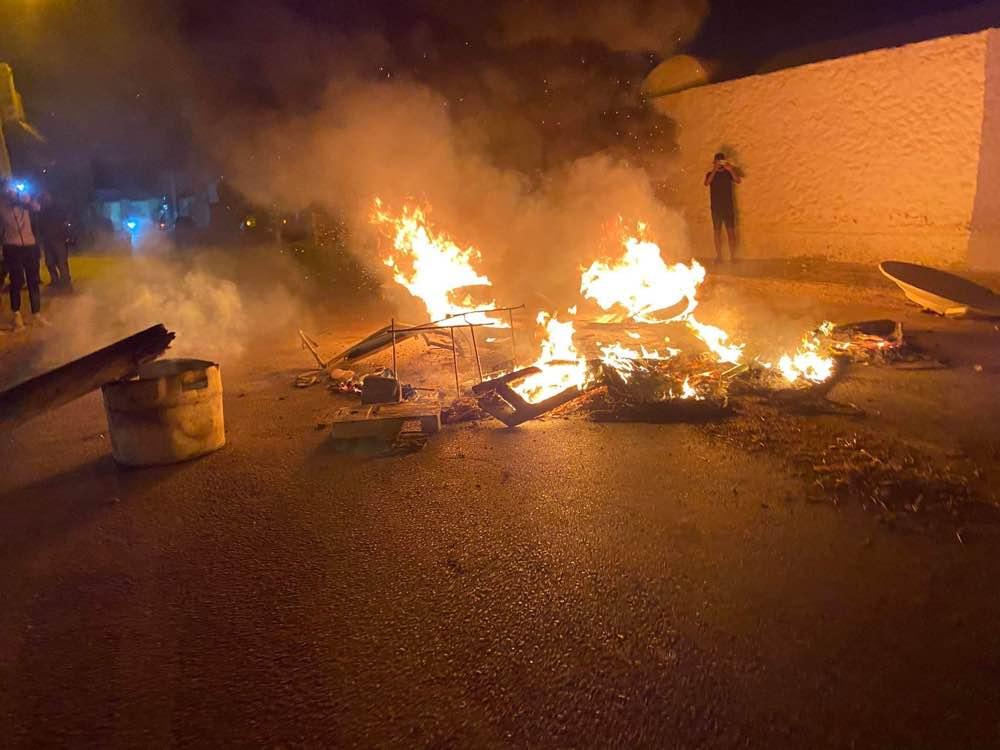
(682, 387)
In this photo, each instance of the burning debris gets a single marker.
(502, 399)
(640, 297)
(432, 267)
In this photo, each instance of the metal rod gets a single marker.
(454, 363)
(513, 343)
(392, 323)
(475, 349)
(483, 310)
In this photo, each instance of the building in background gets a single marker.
(126, 208)
(892, 153)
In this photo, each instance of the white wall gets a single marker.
(862, 158)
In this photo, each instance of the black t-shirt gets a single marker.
(722, 192)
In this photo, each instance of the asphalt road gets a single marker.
(564, 584)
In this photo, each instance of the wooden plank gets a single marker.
(378, 420)
(81, 376)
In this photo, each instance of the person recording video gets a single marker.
(21, 255)
(720, 179)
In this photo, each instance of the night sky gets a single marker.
(746, 36)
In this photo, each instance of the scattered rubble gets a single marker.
(464, 409)
(903, 484)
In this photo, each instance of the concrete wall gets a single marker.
(984, 242)
(862, 158)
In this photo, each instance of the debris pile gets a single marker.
(679, 387)
(904, 483)
(901, 482)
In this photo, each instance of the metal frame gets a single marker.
(472, 333)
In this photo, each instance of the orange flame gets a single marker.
(432, 267)
(641, 283)
(561, 364)
(807, 363)
(639, 287)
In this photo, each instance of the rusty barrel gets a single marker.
(170, 412)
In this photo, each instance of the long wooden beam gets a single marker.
(81, 376)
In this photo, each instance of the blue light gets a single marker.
(20, 186)
(131, 224)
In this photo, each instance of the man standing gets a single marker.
(20, 253)
(720, 181)
(52, 233)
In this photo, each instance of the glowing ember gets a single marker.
(431, 266)
(641, 283)
(624, 359)
(561, 364)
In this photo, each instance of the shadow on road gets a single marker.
(41, 511)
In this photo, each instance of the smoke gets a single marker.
(398, 142)
(520, 124)
(525, 136)
(217, 308)
(620, 26)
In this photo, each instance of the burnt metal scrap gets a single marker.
(439, 334)
(496, 397)
(686, 387)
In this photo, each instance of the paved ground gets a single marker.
(563, 584)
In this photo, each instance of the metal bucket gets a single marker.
(171, 412)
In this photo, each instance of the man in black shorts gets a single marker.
(720, 181)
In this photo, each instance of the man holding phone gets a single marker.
(21, 256)
(720, 180)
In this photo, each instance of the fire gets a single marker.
(688, 391)
(642, 283)
(623, 359)
(431, 266)
(807, 362)
(561, 364)
(639, 287)
(715, 339)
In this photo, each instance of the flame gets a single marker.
(639, 287)
(688, 391)
(715, 339)
(642, 283)
(561, 364)
(623, 359)
(431, 266)
(807, 362)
